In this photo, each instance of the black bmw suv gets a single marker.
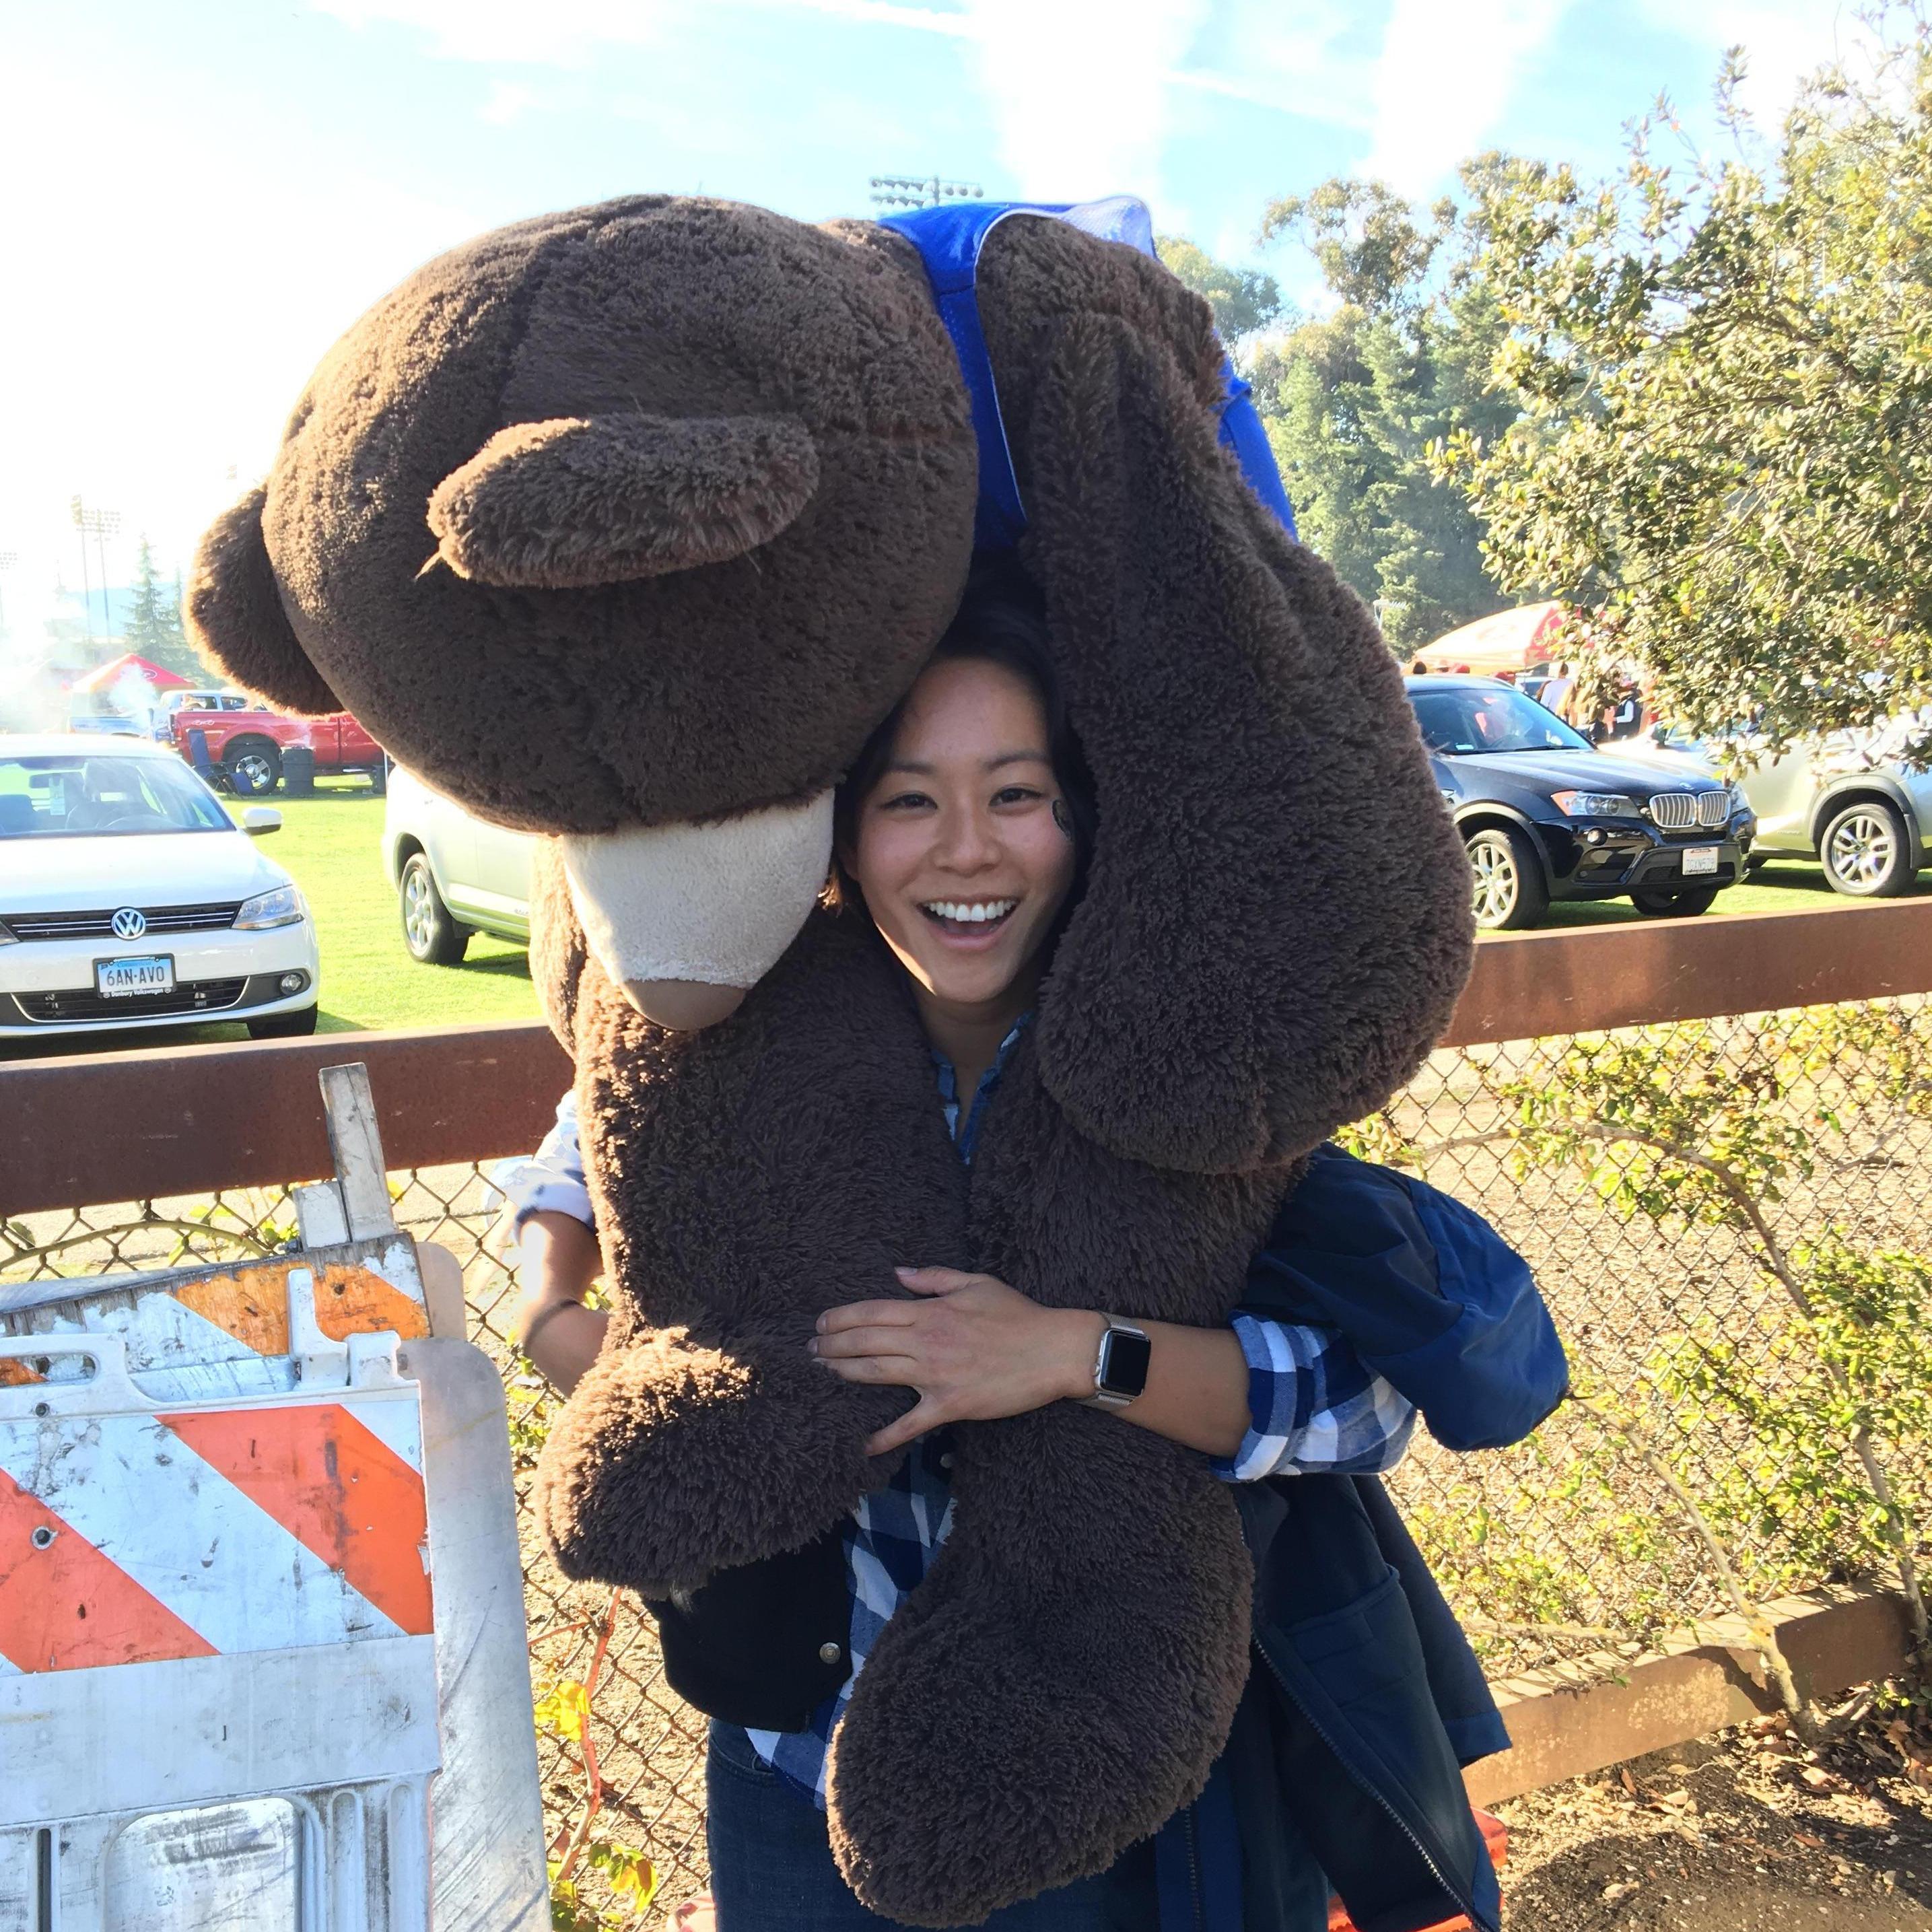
(1545, 815)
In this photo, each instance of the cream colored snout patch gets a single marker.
(698, 906)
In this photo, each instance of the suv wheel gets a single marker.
(254, 765)
(430, 932)
(1676, 905)
(1507, 878)
(1866, 853)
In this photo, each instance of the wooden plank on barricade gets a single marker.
(126, 1127)
(1529, 984)
(132, 1126)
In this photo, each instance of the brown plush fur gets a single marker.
(638, 700)
(1275, 924)
(571, 504)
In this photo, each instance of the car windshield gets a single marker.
(73, 794)
(1469, 721)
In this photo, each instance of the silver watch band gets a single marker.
(1104, 1398)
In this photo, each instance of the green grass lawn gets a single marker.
(332, 844)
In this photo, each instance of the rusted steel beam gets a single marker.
(1529, 984)
(185, 1119)
(129, 1126)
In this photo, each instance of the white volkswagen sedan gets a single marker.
(128, 898)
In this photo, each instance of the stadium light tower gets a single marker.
(909, 191)
(100, 525)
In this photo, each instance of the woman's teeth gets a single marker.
(957, 912)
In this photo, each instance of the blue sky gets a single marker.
(201, 194)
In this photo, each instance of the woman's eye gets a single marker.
(905, 801)
(1015, 795)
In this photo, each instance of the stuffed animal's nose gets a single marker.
(687, 918)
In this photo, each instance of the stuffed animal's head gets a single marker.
(626, 525)
(629, 525)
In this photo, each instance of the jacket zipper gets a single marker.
(1194, 1875)
(1466, 1900)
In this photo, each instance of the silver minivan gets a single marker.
(453, 874)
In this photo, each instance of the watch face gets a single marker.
(1127, 1358)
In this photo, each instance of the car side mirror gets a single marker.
(1659, 734)
(259, 820)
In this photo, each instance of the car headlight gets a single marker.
(1738, 801)
(282, 907)
(1593, 804)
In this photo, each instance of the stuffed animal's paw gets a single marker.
(672, 1460)
(1058, 1686)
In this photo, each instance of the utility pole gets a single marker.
(909, 191)
(100, 525)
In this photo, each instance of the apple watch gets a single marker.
(1120, 1368)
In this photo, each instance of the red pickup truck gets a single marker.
(250, 748)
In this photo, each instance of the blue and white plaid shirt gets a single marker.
(1315, 1409)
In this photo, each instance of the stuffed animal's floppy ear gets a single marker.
(234, 613)
(1276, 919)
(578, 502)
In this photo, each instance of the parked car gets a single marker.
(1849, 800)
(1545, 815)
(249, 749)
(454, 875)
(129, 898)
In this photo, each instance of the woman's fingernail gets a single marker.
(903, 1273)
(811, 1347)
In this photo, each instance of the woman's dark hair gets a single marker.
(1001, 620)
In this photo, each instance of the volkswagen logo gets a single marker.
(130, 922)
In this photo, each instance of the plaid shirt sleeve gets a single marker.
(551, 1180)
(1316, 1408)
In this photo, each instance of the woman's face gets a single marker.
(957, 849)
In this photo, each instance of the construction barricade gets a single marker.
(262, 1660)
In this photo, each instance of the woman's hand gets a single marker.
(974, 1348)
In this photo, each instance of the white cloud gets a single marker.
(559, 34)
(509, 101)
(1080, 104)
(1784, 41)
(562, 33)
(1444, 80)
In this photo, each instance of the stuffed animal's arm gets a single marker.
(680, 1455)
(1276, 922)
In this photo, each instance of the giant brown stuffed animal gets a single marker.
(627, 526)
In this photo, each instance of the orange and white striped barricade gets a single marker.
(262, 1657)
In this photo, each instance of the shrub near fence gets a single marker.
(1716, 1451)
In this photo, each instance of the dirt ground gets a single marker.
(1745, 1832)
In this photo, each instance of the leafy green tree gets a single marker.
(1356, 401)
(154, 626)
(1724, 373)
(1243, 300)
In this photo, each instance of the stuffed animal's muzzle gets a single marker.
(687, 918)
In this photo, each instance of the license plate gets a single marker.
(1700, 858)
(116, 979)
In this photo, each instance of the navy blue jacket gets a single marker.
(1366, 1698)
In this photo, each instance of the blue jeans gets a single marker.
(771, 1868)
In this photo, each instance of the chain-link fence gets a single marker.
(1604, 1159)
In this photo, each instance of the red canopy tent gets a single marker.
(1509, 640)
(105, 677)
